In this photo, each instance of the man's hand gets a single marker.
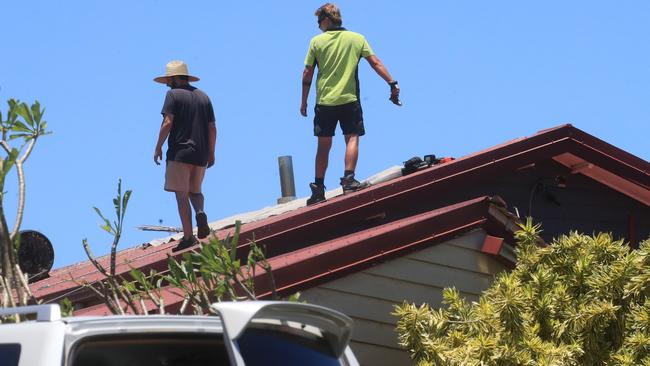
(394, 94)
(157, 156)
(380, 69)
(211, 161)
(307, 76)
(166, 125)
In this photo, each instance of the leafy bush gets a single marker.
(582, 300)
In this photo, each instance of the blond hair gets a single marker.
(331, 12)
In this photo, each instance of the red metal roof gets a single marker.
(293, 231)
(307, 267)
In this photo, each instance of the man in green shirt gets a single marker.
(336, 52)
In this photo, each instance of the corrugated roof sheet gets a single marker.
(269, 211)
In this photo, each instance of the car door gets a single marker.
(37, 342)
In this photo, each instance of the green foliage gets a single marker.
(66, 306)
(209, 274)
(21, 124)
(583, 300)
(23, 121)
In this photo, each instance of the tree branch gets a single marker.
(5, 146)
(92, 258)
(21, 200)
(116, 240)
(27, 152)
(21, 185)
(23, 282)
(5, 292)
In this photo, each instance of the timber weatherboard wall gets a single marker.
(369, 296)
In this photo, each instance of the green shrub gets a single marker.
(582, 300)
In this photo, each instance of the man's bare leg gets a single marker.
(197, 201)
(322, 160)
(322, 155)
(348, 183)
(185, 213)
(351, 152)
(203, 229)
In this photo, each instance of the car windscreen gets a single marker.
(176, 349)
(288, 347)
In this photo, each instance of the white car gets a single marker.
(245, 333)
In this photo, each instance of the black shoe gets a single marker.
(350, 184)
(185, 243)
(203, 229)
(317, 193)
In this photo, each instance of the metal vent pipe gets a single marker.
(287, 185)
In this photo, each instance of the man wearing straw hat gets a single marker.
(190, 130)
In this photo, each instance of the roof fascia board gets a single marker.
(620, 155)
(611, 164)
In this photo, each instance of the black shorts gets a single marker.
(350, 115)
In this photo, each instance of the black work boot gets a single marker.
(185, 243)
(203, 229)
(317, 193)
(350, 184)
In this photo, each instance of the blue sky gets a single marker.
(473, 74)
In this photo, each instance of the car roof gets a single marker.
(149, 323)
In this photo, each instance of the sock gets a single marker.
(319, 181)
(348, 173)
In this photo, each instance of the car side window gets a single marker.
(160, 349)
(9, 354)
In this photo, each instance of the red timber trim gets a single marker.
(634, 174)
(492, 245)
(614, 152)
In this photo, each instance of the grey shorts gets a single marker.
(183, 177)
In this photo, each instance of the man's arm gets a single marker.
(307, 76)
(381, 70)
(212, 140)
(166, 125)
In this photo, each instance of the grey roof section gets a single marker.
(266, 212)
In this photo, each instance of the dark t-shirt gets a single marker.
(188, 138)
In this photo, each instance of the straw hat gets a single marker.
(175, 68)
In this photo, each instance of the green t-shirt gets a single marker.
(337, 53)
